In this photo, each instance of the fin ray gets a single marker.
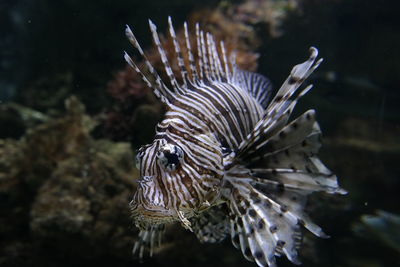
(205, 65)
(178, 52)
(211, 225)
(148, 239)
(265, 232)
(160, 89)
(259, 86)
(176, 87)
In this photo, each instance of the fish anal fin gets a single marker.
(211, 225)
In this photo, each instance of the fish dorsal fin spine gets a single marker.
(199, 52)
(201, 67)
(153, 80)
(178, 52)
(176, 87)
(192, 63)
(258, 85)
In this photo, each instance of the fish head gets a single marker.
(176, 181)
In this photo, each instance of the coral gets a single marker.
(126, 84)
(86, 198)
(62, 191)
(126, 121)
(244, 25)
(269, 12)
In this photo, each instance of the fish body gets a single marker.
(225, 159)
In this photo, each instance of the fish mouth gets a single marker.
(143, 216)
(146, 214)
(143, 209)
(156, 212)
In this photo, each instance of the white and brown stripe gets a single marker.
(210, 110)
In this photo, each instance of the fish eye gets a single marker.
(170, 156)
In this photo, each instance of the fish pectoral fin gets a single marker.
(271, 137)
(281, 106)
(266, 221)
(287, 154)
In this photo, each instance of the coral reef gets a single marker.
(58, 185)
(136, 111)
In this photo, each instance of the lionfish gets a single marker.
(225, 159)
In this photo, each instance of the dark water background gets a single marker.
(50, 50)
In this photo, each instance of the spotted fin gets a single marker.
(261, 226)
(279, 110)
(266, 217)
(289, 158)
(212, 225)
(286, 153)
(273, 172)
(267, 193)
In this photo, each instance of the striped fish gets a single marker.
(225, 159)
